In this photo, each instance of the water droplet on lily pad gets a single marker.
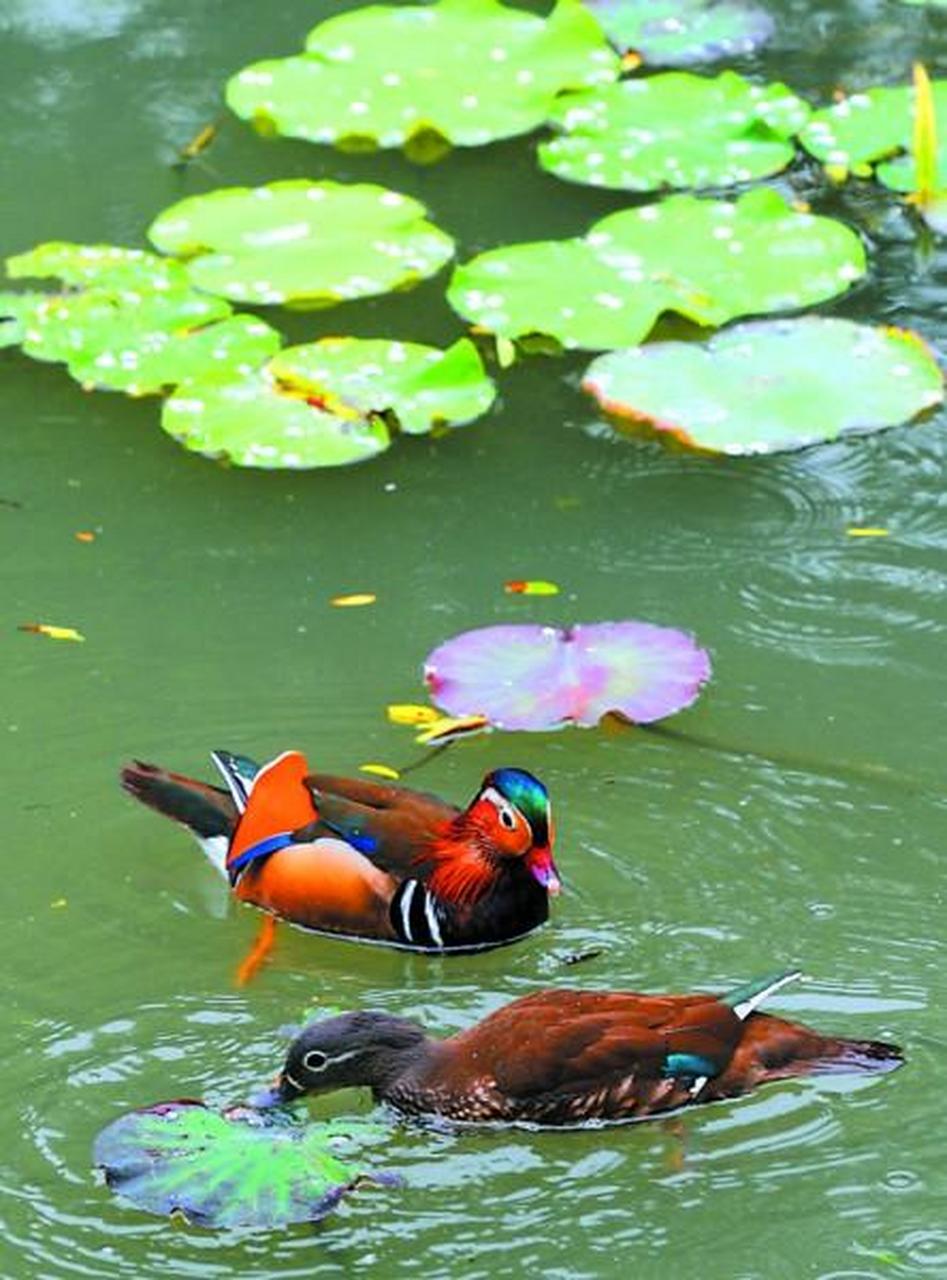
(300, 243)
(678, 33)
(707, 260)
(769, 386)
(459, 72)
(235, 1168)
(536, 677)
(673, 130)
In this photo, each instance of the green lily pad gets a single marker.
(302, 243)
(466, 71)
(674, 130)
(109, 266)
(708, 260)
(136, 327)
(15, 310)
(875, 128)
(329, 403)
(237, 1168)
(679, 33)
(769, 386)
(422, 387)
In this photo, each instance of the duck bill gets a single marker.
(282, 1090)
(542, 868)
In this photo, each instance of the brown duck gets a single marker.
(565, 1057)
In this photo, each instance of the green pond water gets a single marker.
(812, 834)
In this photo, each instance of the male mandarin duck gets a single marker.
(566, 1057)
(368, 860)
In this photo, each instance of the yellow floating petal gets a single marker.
(380, 770)
(54, 633)
(412, 713)
(353, 601)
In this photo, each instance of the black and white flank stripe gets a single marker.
(415, 917)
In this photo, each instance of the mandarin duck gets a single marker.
(565, 1057)
(369, 860)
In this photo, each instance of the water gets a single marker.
(811, 833)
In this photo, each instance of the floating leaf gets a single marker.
(108, 266)
(422, 387)
(15, 311)
(463, 72)
(353, 601)
(329, 403)
(867, 532)
(238, 1168)
(530, 587)
(674, 130)
(254, 421)
(769, 386)
(875, 127)
(54, 633)
(533, 677)
(136, 325)
(678, 33)
(709, 260)
(302, 243)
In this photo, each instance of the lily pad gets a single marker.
(105, 265)
(422, 387)
(770, 386)
(537, 678)
(875, 128)
(329, 403)
(674, 130)
(15, 310)
(679, 33)
(238, 1168)
(464, 71)
(708, 260)
(302, 243)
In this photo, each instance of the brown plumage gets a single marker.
(565, 1057)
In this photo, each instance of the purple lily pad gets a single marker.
(536, 678)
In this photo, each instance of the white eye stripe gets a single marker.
(316, 1060)
(502, 806)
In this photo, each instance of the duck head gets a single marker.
(513, 817)
(361, 1048)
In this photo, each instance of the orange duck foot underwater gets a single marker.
(366, 860)
(569, 1057)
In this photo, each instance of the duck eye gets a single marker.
(316, 1060)
(507, 819)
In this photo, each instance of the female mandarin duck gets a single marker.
(566, 1057)
(368, 860)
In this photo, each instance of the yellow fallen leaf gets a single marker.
(54, 633)
(924, 145)
(412, 713)
(380, 770)
(354, 601)
(58, 903)
(867, 531)
(85, 535)
(200, 142)
(447, 728)
(530, 587)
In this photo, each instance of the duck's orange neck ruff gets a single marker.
(464, 868)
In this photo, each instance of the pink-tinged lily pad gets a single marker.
(536, 678)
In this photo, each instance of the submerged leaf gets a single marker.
(460, 72)
(302, 243)
(769, 386)
(678, 33)
(708, 260)
(674, 130)
(536, 678)
(237, 1168)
